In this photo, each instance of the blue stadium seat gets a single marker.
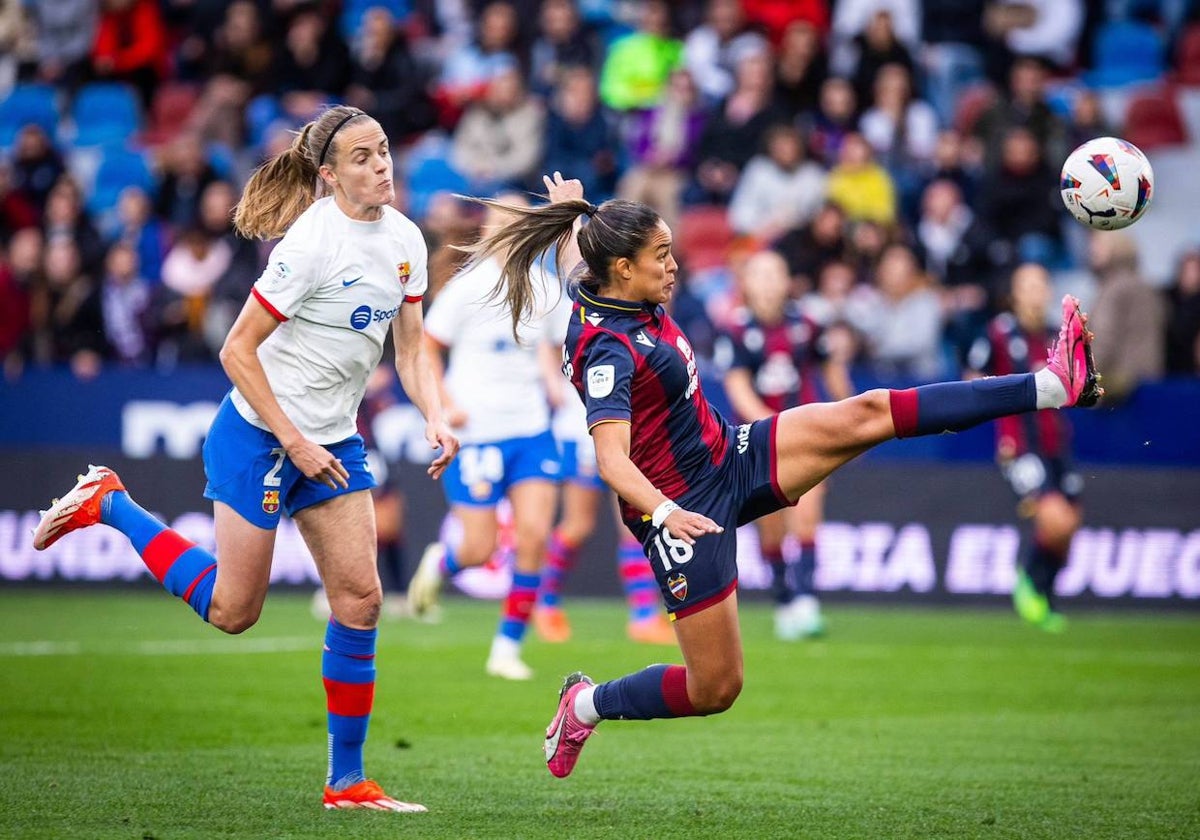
(1126, 52)
(104, 113)
(353, 12)
(119, 168)
(24, 105)
(426, 178)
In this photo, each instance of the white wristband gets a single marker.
(662, 512)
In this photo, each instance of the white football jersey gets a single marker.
(335, 285)
(491, 377)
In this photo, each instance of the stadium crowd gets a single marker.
(901, 155)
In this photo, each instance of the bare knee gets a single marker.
(358, 608)
(234, 620)
(714, 696)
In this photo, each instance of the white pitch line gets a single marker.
(173, 647)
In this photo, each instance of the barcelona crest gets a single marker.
(270, 501)
(403, 270)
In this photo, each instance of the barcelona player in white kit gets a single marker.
(348, 269)
(494, 391)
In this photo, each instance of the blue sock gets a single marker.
(659, 691)
(955, 406)
(182, 567)
(806, 568)
(348, 670)
(449, 564)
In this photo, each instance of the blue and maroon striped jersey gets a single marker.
(783, 359)
(631, 363)
(1009, 348)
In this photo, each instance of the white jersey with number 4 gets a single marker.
(335, 285)
(495, 380)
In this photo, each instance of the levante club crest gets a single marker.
(678, 586)
(270, 501)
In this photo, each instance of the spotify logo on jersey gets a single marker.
(360, 318)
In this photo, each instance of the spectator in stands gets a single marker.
(901, 129)
(131, 45)
(800, 69)
(186, 171)
(313, 66)
(386, 80)
(233, 285)
(1019, 202)
(65, 313)
(779, 189)
(774, 16)
(12, 27)
(190, 272)
(239, 64)
(840, 301)
(950, 164)
(905, 337)
(1183, 319)
(956, 251)
(865, 244)
(563, 42)
(125, 301)
(951, 53)
(498, 142)
(140, 229)
(662, 145)
(637, 65)
(1044, 29)
(712, 51)
(66, 218)
(66, 30)
(24, 260)
(14, 314)
(468, 71)
(580, 139)
(1026, 107)
(807, 249)
(735, 131)
(37, 165)
(835, 117)
(1130, 311)
(877, 47)
(17, 211)
(860, 186)
(852, 19)
(1087, 119)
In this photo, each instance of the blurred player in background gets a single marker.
(284, 439)
(1033, 450)
(775, 355)
(686, 478)
(494, 390)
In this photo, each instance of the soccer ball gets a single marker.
(1107, 183)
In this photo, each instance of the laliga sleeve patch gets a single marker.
(600, 381)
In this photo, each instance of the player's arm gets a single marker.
(239, 357)
(746, 402)
(415, 368)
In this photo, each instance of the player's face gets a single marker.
(652, 271)
(362, 172)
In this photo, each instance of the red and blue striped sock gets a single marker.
(518, 606)
(806, 568)
(560, 559)
(637, 579)
(348, 670)
(182, 567)
(955, 406)
(659, 691)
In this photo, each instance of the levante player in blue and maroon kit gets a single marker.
(686, 477)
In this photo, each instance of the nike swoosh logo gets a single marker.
(351, 282)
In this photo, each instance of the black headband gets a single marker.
(329, 139)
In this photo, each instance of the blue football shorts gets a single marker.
(482, 473)
(248, 470)
(579, 464)
(743, 488)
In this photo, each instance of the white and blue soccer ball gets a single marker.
(1107, 183)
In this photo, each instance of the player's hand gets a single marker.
(687, 526)
(319, 464)
(440, 437)
(561, 189)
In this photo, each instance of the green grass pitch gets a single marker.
(122, 716)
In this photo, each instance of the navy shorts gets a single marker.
(482, 472)
(744, 487)
(248, 470)
(1032, 476)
